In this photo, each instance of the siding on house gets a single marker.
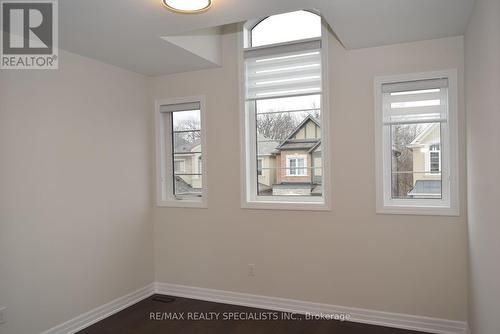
(282, 175)
(421, 163)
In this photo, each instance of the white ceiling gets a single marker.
(128, 33)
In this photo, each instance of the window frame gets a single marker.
(429, 157)
(164, 157)
(296, 168)
(448, 205)
(249, 197)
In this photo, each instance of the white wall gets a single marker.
(75, 200)
(349, 256)
(482, 58)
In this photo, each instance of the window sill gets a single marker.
(182, 204)
(286, 205)
(418, 210)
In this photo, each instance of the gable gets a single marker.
(428, 136)
(308, 130)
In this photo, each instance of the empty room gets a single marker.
(225, 166)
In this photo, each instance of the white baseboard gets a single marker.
(82, 321)
(396, 320)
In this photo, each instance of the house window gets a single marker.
(435, 159)
(180, 145)
(416, 144)
(296, 166)
(283, 112)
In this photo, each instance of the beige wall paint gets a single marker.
(349, 256)
(421, 156)
(75, 199)
(482, 58)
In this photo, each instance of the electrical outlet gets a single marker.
(2, 315)
(251, 270)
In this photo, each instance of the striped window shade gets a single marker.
(283, 71)
(422, 101)
(180, 107)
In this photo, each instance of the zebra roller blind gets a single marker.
(283, 71)
(422, 101)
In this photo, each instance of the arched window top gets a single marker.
(286, 28)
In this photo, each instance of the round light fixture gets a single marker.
(187, 6)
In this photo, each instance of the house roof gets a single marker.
(417, 141)
(316, 148)
(300, 144)
(266, 146)
(184, 146)
(298, 127)
(426, 187)
(182, 187)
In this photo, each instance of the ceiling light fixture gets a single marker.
(187, 6)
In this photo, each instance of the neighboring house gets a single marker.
(290, 167)
(187, 166)
(427, 163)
(297, 162)
(266, 164)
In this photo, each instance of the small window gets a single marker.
(296, 166)
(435, 159)
(416, 139)
(180, 141)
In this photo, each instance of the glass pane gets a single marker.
(289, 159)
(434, 162)
(188, 185)
(186, 120)
(293, 170)
(187, 163)
(305, 102)
(259, 167)
(278, 118)
(416, 170)
(286, 27)
(187, 157)
(187, 142)
(179, 166)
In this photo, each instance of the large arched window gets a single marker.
(285, 28)
(285, 127)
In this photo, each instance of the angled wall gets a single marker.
(482, 61)
(75, 201)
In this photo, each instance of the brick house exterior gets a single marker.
(298, 161)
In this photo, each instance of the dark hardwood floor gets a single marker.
(140, 318)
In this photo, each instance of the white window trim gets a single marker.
(296, 157)
(450, 171)
(164, 168)
(249, 198)
(428, 162)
